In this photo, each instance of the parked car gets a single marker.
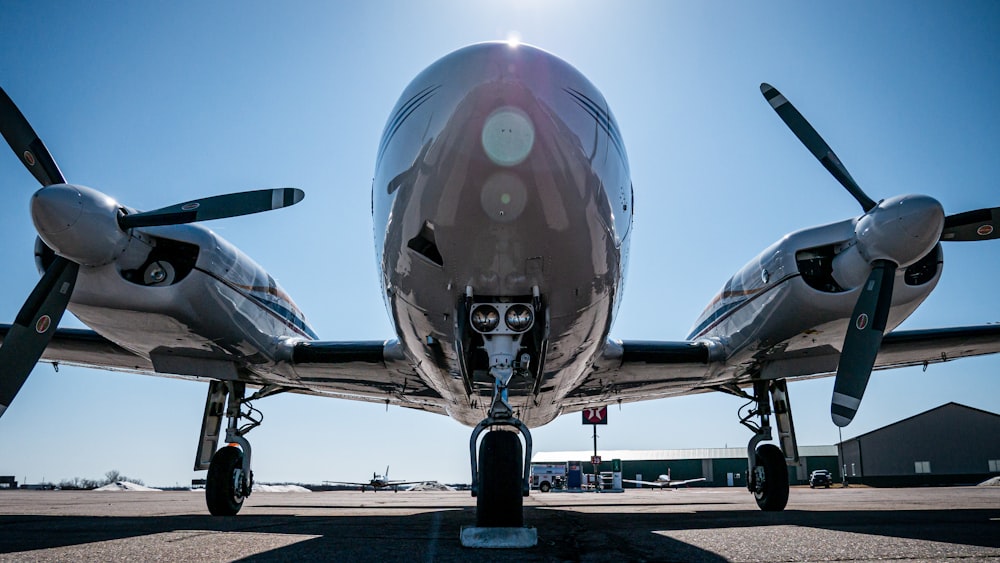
(820, 478)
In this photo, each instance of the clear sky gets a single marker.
(158, 103)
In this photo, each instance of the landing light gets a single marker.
(518, 318)
(485, 318)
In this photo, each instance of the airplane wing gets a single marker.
(685, 482)
(86, 348)
(630, 371)
(638, 370)
(627, 371)
(647, 483)
(372, 371)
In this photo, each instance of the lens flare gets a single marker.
(508, 136)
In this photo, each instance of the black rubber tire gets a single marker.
(499, 503)
(545, 487)
(772, 496)
(220, 490)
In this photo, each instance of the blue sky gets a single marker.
(160, 103)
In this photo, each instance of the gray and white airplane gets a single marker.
(502, 208)
(378, 482)
(664, 481)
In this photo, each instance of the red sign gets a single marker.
(595, 459)
(595, 415)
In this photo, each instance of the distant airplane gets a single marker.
(663, 481)
(502, 206)
(378, 482)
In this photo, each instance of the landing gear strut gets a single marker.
(230, 480)
(767, 472)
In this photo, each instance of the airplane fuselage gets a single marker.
(501, 173)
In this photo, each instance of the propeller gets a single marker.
(26, 144)
(36, 322)
(815, 143)
(215, 207)
(862, 342)
(34, 327)
(981, 224)
(881, 232)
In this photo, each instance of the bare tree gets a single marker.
(113, 476)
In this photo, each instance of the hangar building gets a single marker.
(721, 467)
(950, 444)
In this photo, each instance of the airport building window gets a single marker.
(922, 466)
(995, 466)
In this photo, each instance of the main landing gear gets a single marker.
(767, 472)
(230, 480)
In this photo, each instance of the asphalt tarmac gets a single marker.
(695, 524)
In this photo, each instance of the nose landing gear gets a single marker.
(500, 471)
(500, 480)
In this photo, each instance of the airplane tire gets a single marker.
(221, 494)
(499, 503)
(772, 494)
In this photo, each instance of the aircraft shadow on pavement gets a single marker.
(563, 534)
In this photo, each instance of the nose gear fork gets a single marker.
(501, 414)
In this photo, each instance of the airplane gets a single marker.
(379, 482)
(664, 481)
(502, 207)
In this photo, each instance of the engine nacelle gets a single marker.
(79, 223)
(901, 229)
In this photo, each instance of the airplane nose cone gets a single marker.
(56, 208)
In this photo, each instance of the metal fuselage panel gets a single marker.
(548, 206)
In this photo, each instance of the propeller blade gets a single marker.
(26, 144)
(215, 207)
(815, 143)
(981, 224)
(34, 327)
(862, 342)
